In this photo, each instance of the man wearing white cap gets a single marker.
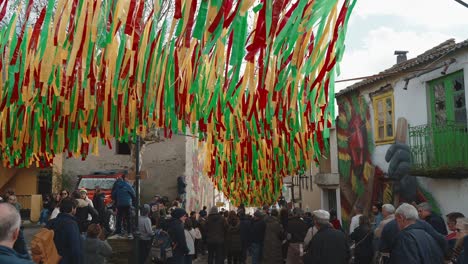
(328, 245)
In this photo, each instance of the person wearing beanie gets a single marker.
(146, 232)
(328, 245)
(177, 235)
(216, 227)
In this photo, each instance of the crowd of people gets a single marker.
(409, 234)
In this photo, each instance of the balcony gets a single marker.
(439, 150)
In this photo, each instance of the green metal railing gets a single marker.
(439, 147)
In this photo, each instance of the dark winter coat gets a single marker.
(388, 236)
(233, 240)
(257, 231)
(99, 205)
(274, 236)
(177, 234)
(123, 193)
(67, 238)
(82, 211)
(215, 229)
(8, 255)
(245, 225)
(417, 244)
(363, 237)
(328, 246)
(297, 228)
(437, 222)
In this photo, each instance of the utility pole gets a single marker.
(137, 200)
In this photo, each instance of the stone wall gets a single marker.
(163, 161)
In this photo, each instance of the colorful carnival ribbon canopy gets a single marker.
(253, 80)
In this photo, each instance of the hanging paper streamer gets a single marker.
(253, 79)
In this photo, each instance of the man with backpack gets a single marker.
(9, 230)
(67, 234)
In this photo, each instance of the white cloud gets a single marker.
(439, 14)
(377, 53)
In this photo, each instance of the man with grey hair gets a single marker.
(426, 213)
(10, 222)
(388, 212)
(414, 243)
(328, 245)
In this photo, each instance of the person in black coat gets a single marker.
(414, 243)
(328, 245)
(215, 231)
(233, 239)
(425, 213)
(257, 236)
(245, 226)
(67, 238)
(100, 206)
(363, 236)
(177, 235)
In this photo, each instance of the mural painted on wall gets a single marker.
(361, 182)
(200, 185)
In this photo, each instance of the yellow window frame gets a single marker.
(382, 98)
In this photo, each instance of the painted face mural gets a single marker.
(361, 182)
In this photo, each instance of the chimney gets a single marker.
(401, 56)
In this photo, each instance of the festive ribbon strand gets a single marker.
(253, 79)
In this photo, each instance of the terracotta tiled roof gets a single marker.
(437, 52)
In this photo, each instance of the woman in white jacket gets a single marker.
(191, 234)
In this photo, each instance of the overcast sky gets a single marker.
(379, 27)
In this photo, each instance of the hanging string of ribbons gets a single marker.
(252, 79)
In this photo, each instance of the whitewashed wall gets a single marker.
(412, 104)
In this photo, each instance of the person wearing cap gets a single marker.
(216, 227)
(177, 235)
(328, 245)
(84, 196)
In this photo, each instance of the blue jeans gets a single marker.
(188, 259)
(123, 212)
(257, 253)
(44, 217)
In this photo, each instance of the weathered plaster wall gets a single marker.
(22, 181)
(200, 189)
(164, 162)
(311, 193)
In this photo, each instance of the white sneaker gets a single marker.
(130, 236)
